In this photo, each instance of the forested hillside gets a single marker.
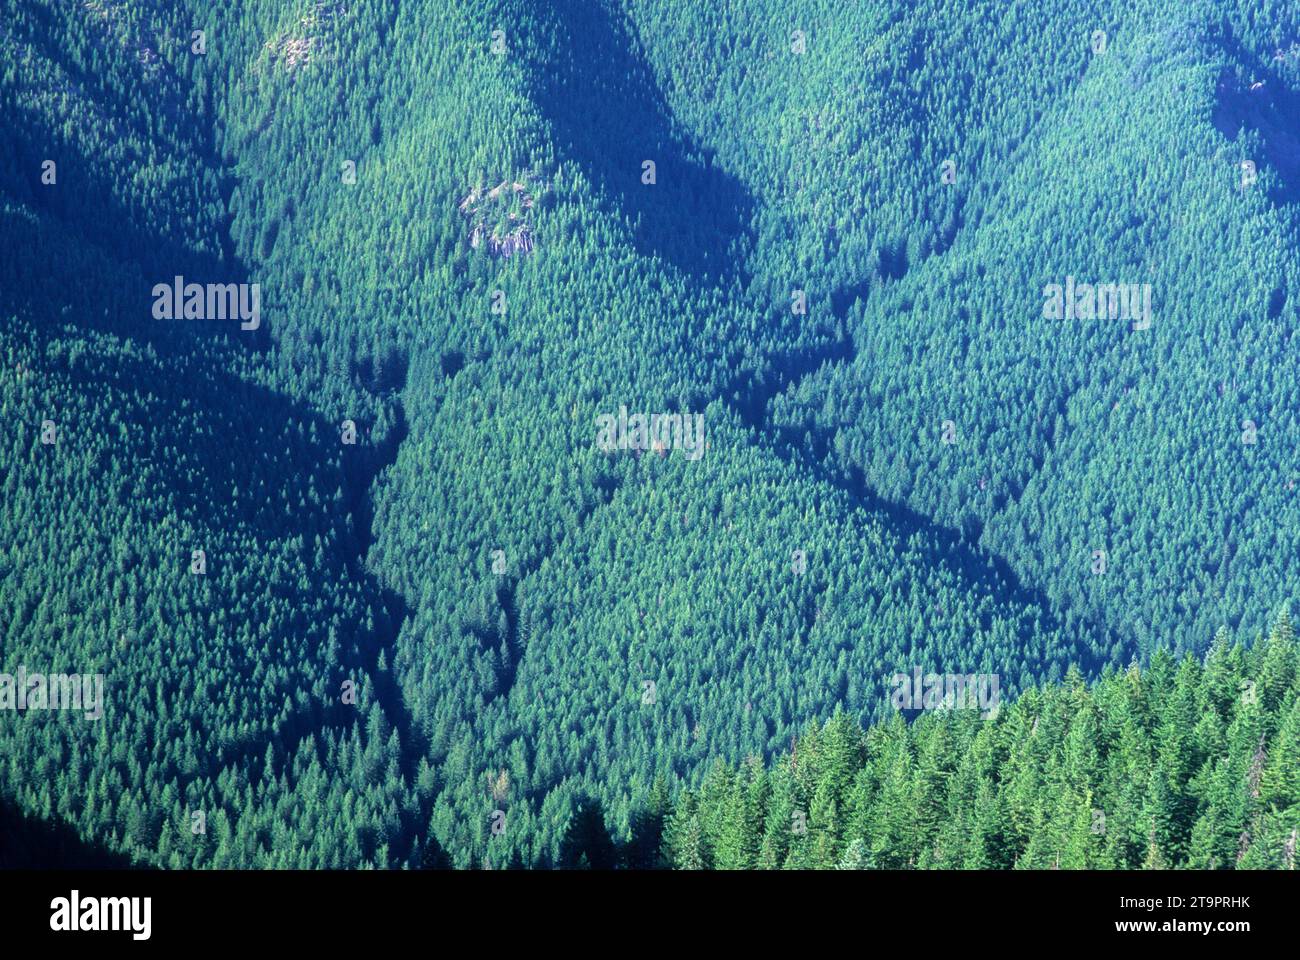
(1182, 764)
(367, 588)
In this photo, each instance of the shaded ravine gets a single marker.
(957, 550)
(29, 843)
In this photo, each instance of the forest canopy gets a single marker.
(592, 406)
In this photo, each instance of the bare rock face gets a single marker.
(498, 218)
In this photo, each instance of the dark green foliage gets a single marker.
(511, 687)
(1048, 782)
(587, 844)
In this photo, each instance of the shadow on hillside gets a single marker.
(608, 115)
(983, 572)
(27, 843)
(1270, 109)
(211, 446)
(157, 132)
(237, 461)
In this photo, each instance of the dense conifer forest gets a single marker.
(590, 409)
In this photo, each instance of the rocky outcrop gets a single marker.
(295, 48)
(498, 218)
